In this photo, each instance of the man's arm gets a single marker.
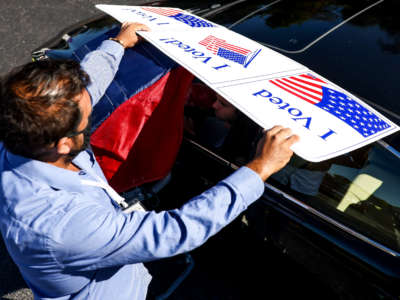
(108, 238)
(102, 64)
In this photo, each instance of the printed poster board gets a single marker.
(268, 87)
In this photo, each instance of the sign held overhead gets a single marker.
(268, 87)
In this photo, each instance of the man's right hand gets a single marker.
(273, 151)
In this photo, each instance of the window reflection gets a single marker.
(359, 189)
(218, 125)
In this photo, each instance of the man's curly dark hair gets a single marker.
(38, 105)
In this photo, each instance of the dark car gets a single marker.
(339, 219)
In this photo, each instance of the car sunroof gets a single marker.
(289, 25)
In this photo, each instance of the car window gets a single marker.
(288, 25)
(219, 126)
(359, 189)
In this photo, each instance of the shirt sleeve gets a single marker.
(101, 65)
(94, 238)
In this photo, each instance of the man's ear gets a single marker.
(64, 145)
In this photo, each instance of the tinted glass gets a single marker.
(219, 126)
(289, 25)
(359, 189)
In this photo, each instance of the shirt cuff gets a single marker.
(248, 183)
(112, 47)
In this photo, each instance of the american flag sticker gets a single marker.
(317, 92)
(179, 16)
(228, 51)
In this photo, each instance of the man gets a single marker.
(59, 218)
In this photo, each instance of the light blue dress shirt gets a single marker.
(72, 241)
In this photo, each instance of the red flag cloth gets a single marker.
(138, 143)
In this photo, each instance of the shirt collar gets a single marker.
(53, 176)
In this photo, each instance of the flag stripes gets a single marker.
(318, 92)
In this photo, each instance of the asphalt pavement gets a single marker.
(26, 24)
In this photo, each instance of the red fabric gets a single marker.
(139, 142)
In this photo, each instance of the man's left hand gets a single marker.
(127, 34)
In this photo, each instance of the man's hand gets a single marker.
(273, 151)
(127, 34)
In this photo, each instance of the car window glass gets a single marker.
(288, 25)
(359, 189)
(219, 126)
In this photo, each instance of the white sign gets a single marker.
(268, 87)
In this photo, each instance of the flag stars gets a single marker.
(350, 112)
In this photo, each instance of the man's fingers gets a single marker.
(292, 140)
(126, 24)
(274, 130)
(142, 27)
(283, 134)
(136, 26)
(128, 33)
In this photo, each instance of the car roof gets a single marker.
(352, 43)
